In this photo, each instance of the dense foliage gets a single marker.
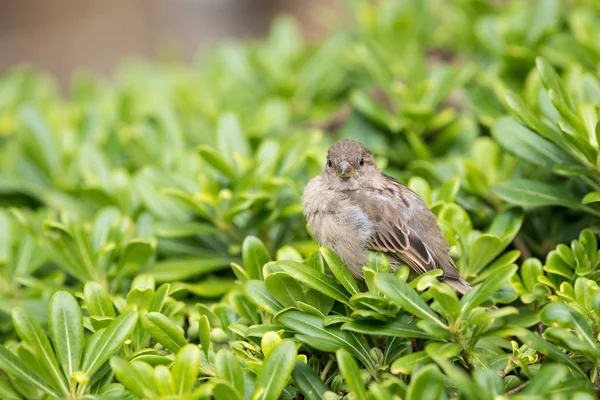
(152, 243)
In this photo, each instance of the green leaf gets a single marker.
(308, 381)
(448, 191)
(97, 300)
(215, 160)
(185, 368)
(483, 291)
(401, 293)
(228, 368)
(310, 330)
(397, 328)
(111, 339)
(231, 139)
(340, 270)
(164, 331)
(275, 372)
(408, 363)
(483, 250)
(224, 390)
(528, 117)
(45, 150)
(10, 364)
(532, 194)
(427, 383)
(549, 376)
(185, 268)
(7, 391)
(544, 16)
(284, 288)
(591, 197)
(130, 377)
(351, 373)
(550, 78)
(164, 380)
(135, 254)
(204, 334)
(548, 349)
(32, 334)
(159, 298)
(259, 294)
(319, 301)
(507, 224)
(315, 280)
(65, 324)
(255, 256)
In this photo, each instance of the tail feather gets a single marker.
(460, 285)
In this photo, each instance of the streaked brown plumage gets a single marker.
(352, 207)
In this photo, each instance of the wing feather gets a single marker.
(392, 235)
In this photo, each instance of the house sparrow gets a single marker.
(353, 207)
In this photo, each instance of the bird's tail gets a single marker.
(462, 286)
(459, 284)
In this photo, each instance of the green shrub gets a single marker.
(152, 243)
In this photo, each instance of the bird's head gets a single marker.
(349, 165)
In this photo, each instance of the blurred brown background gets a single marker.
(62, 35)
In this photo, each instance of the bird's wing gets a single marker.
(391, 234)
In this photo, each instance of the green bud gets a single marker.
(330, 396)
(218, 335)
(269, 342)
(80, 377)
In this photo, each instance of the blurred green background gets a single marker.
(150, 198)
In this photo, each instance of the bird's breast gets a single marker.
(339, 224)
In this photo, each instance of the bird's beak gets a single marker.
(345, 169)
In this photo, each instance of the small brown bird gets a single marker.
(353, 207)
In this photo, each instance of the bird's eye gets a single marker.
(329, 163)
(362, 162)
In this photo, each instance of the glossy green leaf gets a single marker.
(159, 298)
(224, 390)
(275, 372)
(339, 269)
(108, 341)
(310, 330)
(164, 331)
(527, 144)
(65, 324)
(130, 377)
(549, 376)
(534, 194)
(315, 280)
(401, 293)
(259, 294)
(163, 380)
(97, 300)
(14, 367)
(427, 383)
(592, 197)
(397, 328)
(32, 334)
(228, 368)
(204, 334)
(231, 139)
(255, 256)
(185, 368)
(308, 381)
(483, 291)
(181, 269)
(215, 160)
(351, 373)
(284, 288)
(549, 350)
